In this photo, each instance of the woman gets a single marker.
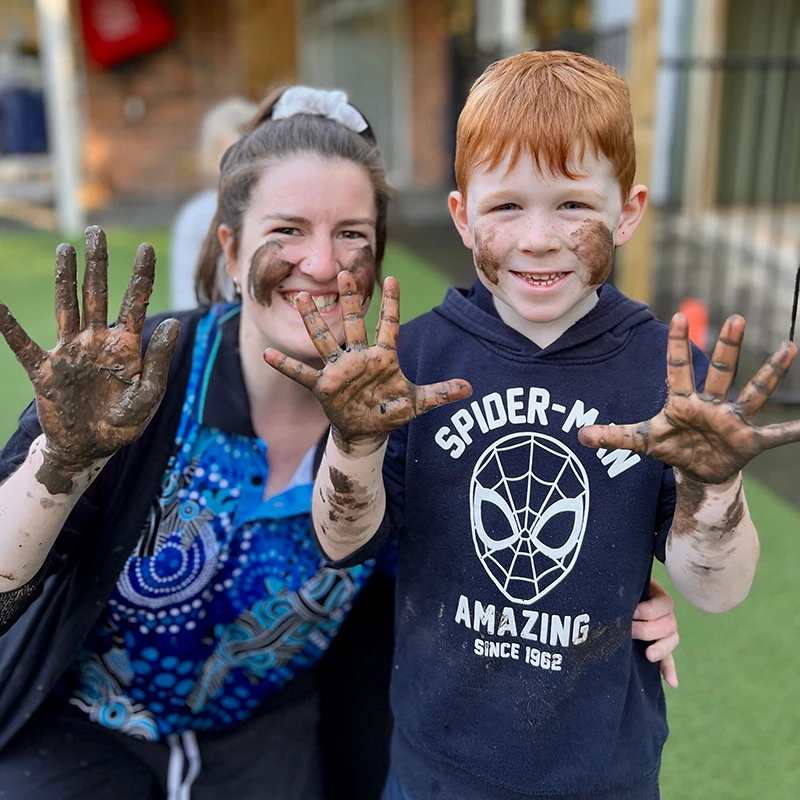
(165, 610)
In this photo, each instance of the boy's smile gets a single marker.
(544, 243)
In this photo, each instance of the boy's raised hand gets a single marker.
(94, 394)
(703, 434)
(362, 388)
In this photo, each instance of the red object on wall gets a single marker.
(117, 30)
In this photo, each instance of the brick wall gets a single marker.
(430, 82)
(143, 118)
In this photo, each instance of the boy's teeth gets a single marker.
(323, 302)
(542, 280)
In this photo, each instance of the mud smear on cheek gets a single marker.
(267, 270)
(485, 260)
(364, 271)
(594, 246)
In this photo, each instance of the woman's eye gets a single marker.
(287, 231)
(351, 235)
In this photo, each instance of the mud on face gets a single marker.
(365, 272)
(267, 269)
(485, 260)
(594, 246)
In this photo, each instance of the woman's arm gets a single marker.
(94, 395)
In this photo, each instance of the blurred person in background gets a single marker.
(168, 626)
(221, 127)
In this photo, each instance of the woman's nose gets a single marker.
(320, 261)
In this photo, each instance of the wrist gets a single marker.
(362, 446)
(60, 472)
(681, 478)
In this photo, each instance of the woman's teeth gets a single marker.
(542, 280)
(324, 302)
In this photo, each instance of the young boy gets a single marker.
(523, 553)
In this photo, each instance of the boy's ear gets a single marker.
(227, 242)
(632, 213)
(458, 211)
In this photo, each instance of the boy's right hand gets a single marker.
(362, 388)
(94, 394)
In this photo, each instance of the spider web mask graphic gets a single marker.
(529, 502)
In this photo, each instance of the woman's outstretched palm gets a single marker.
(94, 394)
(708, 438)
(362, 388)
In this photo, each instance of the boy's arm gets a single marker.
(712, 546)
(366, 396)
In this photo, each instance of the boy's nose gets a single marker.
(538, 237)
(320, 262)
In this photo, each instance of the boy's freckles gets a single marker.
(485, 259)
(267, 270)
(363, 269)
(594, 246)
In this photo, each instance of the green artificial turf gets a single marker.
(735, 718)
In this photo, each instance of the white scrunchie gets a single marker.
(320, 102)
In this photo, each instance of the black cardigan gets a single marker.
(49, 624)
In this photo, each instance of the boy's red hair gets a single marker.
(547, 104)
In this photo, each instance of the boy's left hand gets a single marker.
(703, 434)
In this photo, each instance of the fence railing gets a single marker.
(728, 230)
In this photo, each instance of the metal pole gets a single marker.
(63, 122)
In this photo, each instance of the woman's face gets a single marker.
(309, 218)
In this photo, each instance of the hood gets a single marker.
(598, 335)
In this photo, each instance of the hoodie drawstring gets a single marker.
(181, 749)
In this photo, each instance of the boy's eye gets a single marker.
(506, 207)
(573, 205)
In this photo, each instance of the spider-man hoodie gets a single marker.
(523, 555)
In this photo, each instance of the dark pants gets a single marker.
(648, 790)
(62, 755)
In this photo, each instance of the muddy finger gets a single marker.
(389, 320)
(440, 394)
(616, 437)
(724, 359)
(291, 368)
(95, 279)
(779, 434)
(680, 377)
(137, 296)
(28, 353)
(766, 380)
(155, 367)
(324, 341)
(355, 332)
(67, 313)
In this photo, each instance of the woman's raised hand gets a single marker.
(94, 393)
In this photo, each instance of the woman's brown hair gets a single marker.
(266, 140)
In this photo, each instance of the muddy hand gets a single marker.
(93, 392)
(362, 388)
(708, 438)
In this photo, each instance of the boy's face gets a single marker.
(543, 243)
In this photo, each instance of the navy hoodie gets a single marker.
(523, 555)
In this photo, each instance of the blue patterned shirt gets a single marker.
(226, 597)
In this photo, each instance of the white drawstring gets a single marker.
(179, 788)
